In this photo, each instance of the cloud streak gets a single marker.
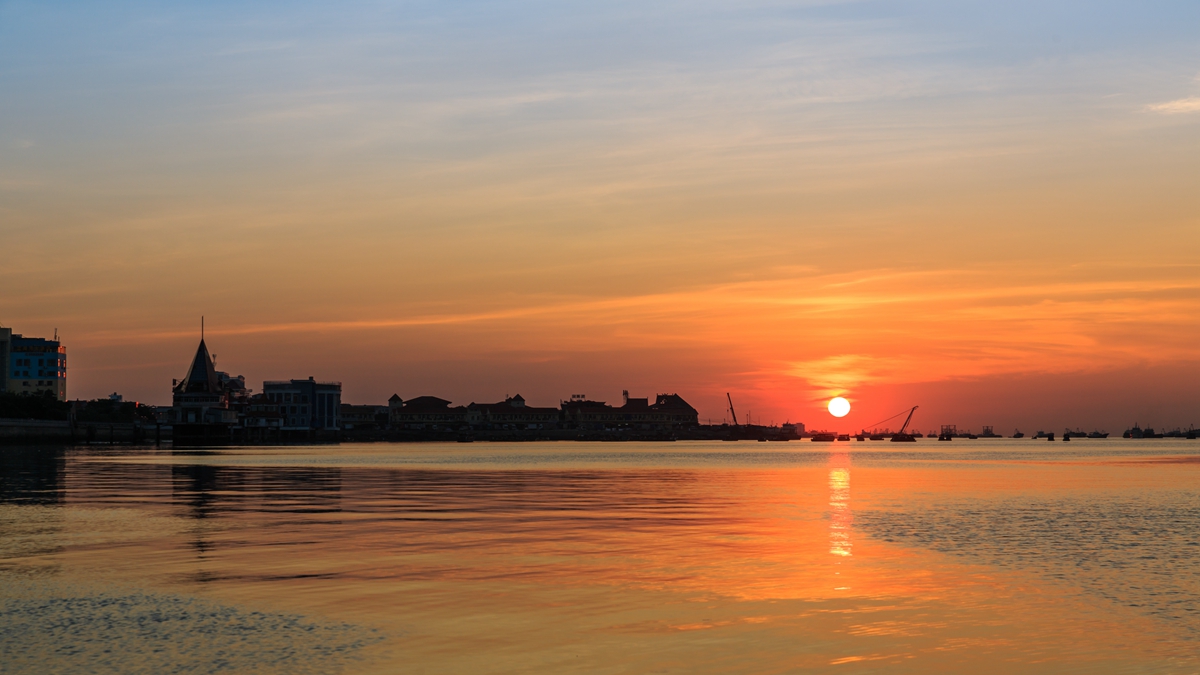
(1177, 107)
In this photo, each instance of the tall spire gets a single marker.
(202, 375)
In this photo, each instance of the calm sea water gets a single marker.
(987, 556)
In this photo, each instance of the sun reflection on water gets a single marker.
(841, 518)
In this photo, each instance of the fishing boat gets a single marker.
(1017, 433)
(1098, 434)
(1138, 432)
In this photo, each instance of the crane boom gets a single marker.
(731, 411)
(909, 418)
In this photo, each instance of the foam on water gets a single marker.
(46, 626)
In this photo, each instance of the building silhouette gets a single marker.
(306, 405)
(200, 401)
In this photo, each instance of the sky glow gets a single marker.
(987, 209)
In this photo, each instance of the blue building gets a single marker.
(32, 365)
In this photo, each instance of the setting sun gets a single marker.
(839, 407)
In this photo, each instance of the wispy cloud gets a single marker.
(1183, 105)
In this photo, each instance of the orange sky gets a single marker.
(900, 209)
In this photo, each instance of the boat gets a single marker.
(1098, 434)
(1138, 432)
(823, 437)
(1017, 433)
(988, 433)
(1050, 436)
(843, 437)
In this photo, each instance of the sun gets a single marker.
(839, 407)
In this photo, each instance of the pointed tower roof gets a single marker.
(202, 376)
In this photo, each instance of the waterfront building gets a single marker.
(262, 417)
(512, 413)
(201, 399)
(364, 417)
(669, 411)
(428, 412)
(31, 365)
(307, 405)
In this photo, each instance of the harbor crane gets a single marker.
(901, 436)
(731, 411)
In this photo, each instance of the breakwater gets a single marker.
(36, 432)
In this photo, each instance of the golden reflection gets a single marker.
(841, 518)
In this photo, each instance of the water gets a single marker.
(982, 556)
